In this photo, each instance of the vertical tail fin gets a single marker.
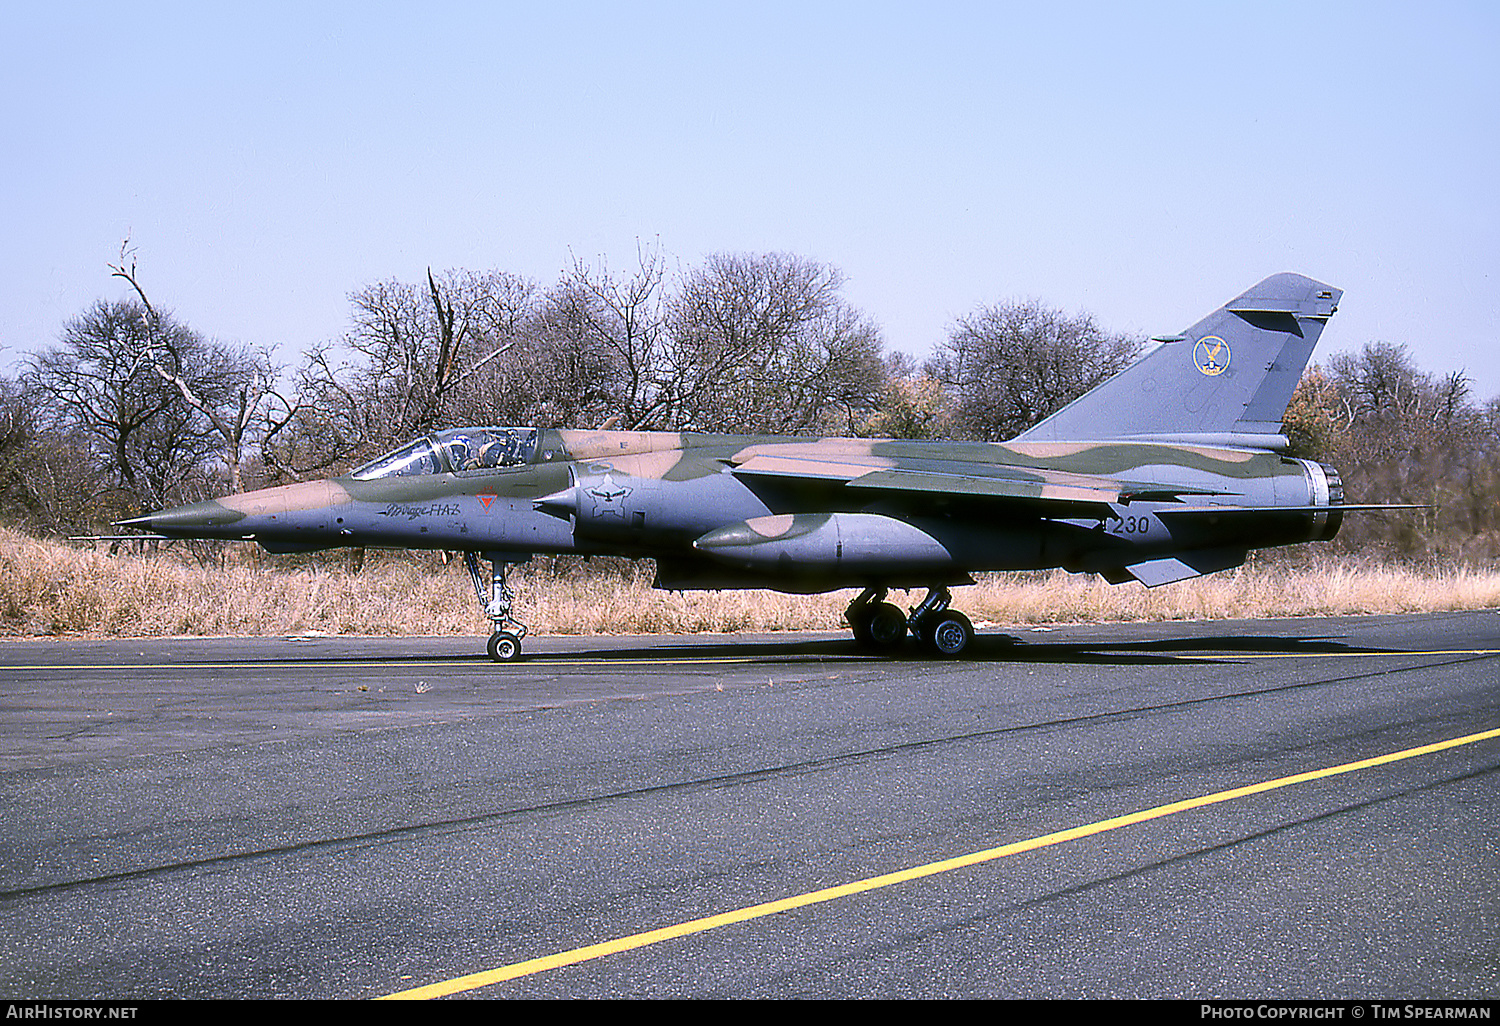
(1225, 381)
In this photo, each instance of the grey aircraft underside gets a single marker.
(1171, 469)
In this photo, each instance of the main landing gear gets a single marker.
(881, 626)
(496, 598)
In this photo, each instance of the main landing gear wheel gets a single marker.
(505, 642)
(878, 625)
(947, 634)
(885, 626)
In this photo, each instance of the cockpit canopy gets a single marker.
(461, 450)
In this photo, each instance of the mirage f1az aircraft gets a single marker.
(1171, 469)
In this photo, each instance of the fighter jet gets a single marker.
(1173, 468)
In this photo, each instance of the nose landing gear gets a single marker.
(496, 598)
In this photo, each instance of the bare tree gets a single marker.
(48, 481)
(1010, 365)
(596, 350)
(415, 357)
(1315, 423)
(913, 404)
(229, 386)
(767, 344)
(1399, 434)
(483, 317)
(102, 382)
(746, 343)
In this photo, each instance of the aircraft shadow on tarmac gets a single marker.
(987, 648)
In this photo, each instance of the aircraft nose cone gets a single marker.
(186, 519)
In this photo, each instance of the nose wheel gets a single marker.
(496, 599)
(504, 647)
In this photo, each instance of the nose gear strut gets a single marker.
(505, 643)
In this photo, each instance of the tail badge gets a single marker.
(1211, 355)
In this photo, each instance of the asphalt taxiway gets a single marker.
(1267, 809)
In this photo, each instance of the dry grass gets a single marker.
(48, 588)
(1322, 589)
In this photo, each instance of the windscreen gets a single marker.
(418, 457)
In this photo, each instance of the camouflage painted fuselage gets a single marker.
(720, 511)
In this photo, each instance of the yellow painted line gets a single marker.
(530, 967)
(414, 663)
(1231, 657)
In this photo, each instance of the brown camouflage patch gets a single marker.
(650, 465)
(599, 445)
(1066, 450)
(773, 526)
(838, 459)
(821, 448)
(821, 467)
(287, 498)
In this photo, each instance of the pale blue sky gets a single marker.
(1143, 162)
